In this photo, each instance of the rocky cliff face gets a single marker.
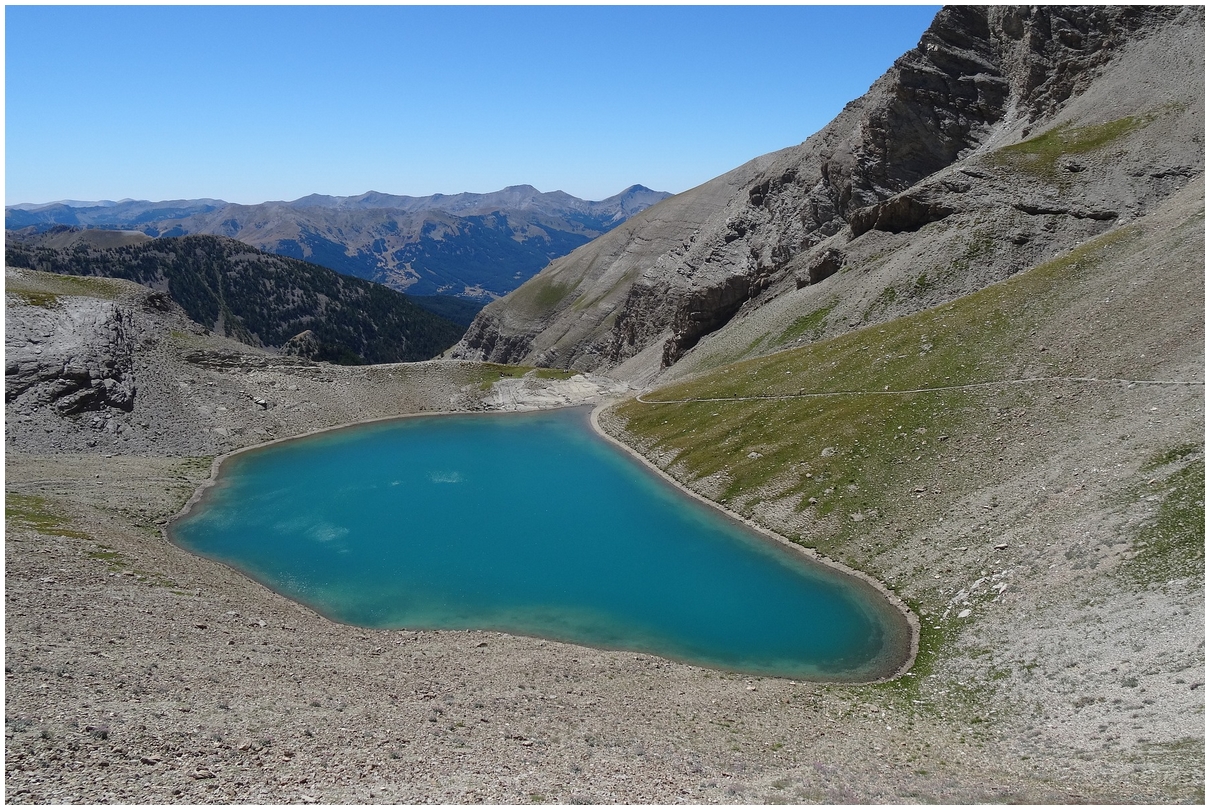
(74, 359)
(981, 79)
(70, 344)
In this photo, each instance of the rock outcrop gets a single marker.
(981, 79)
(73, 356)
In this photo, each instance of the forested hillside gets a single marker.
(259, 298)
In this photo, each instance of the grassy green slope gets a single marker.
(863, 476)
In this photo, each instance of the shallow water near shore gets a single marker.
(532, 524)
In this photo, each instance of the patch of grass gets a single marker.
(36, 298)
(1040, 155)
(812, 324)
(88, 286)
(490, 373)
(885, 300)
(116, 561)
(1178, 453)
(107, 554)
(34, 512)
(113, 559)
(542, 294)
(45, 289)
(1173, 544)
(981, 246)
(554, 373)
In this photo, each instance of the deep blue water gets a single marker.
(531, 524)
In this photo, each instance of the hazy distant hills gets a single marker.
(473, 246)
(251, 296)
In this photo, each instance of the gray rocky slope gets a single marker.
(933, 184)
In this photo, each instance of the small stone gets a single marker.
(962, 614)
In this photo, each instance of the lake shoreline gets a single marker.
(912, 621)
(910, 630)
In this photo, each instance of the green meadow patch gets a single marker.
(36, 513)
(1172, 544)
(490, 373)
(1040, 155)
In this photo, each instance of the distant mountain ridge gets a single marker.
(473, 246)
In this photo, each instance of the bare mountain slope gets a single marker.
(1026, 466)
(1005, 136)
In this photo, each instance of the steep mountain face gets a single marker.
(1005, 135)
(257, 298)
(473, 246)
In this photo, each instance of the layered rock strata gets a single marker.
(980, 79)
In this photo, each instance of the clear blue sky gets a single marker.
(249, 104)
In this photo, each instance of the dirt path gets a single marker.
(934, 389)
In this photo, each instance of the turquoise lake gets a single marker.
(532, 524)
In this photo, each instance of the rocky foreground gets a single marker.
(136, 672)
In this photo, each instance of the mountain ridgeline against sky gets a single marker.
(1005, 136)
(255, 297)
(473, 246)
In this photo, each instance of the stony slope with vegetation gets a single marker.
(473, 247)
(1025, 466)
(1005, 136)
(255, 297)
